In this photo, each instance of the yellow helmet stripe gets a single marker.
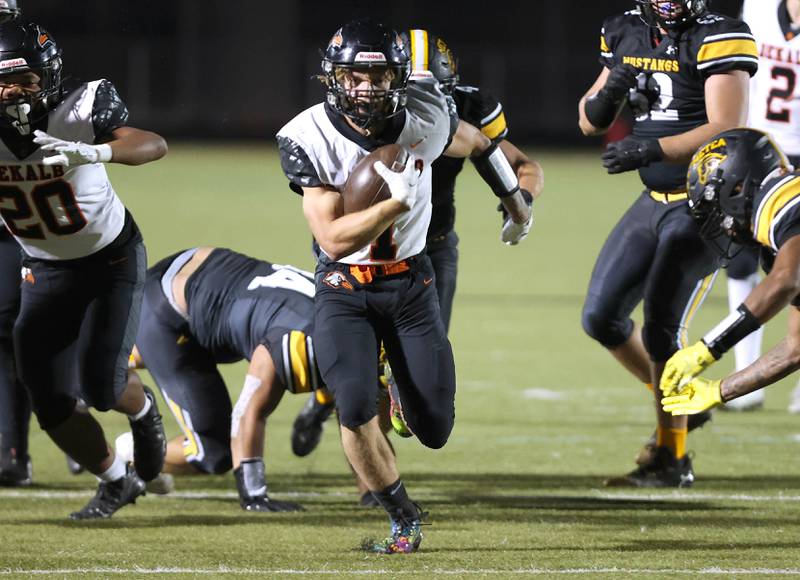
(419, 49)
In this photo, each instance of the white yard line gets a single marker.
(379, 572)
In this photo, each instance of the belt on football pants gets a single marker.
(365, 273)
(669, 197)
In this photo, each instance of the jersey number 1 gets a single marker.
(47, 198)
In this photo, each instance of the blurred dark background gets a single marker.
(242, 68)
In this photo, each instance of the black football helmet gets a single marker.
(430, 53)
(29, 47)
(724, 176)
(9, 10)
(363, 45)
(671, 15)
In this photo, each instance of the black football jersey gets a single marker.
(237, 303)
(482, 110)
(676, 70)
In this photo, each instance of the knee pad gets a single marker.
(604, 328)
(355, 405)
(53, 410)
(659, 341)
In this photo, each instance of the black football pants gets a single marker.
(402, 310)
(76, 328)
(655, 254)
(15, 406)
(443, 253)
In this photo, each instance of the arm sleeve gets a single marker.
(108, 112)
(297, 166)
(729, 45)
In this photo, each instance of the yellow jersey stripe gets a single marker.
(603, 45)
(770, 208)
(496, 127)
(724, 48)
(190, 446)
(700, 293)
(299, 359)
(419, 49)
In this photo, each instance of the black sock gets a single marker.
(394, 500)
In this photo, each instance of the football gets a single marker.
(364, 187)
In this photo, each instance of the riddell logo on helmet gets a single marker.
(12, 63)
(370, 57)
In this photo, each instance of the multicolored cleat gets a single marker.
(405, 539)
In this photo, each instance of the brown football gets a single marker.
(364, 187)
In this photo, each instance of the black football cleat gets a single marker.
(663, 471)
(15, 470)
(260, 501)
(111, 496)
(149, 441)
(307, 428)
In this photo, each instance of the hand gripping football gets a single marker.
(364, 187)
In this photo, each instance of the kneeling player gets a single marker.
(207, 306)
(743, 192)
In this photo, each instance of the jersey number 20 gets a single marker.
(47, 198)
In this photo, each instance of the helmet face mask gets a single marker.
(366, 71)
(724, 177)
(670, 15)
(30, 75)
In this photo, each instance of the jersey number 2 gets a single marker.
(47, 198)
(781, 115)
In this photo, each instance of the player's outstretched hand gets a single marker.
(403, 185)
(512, 232)
(71, 153)
(685, 365)
(631, 153)
(697, 396)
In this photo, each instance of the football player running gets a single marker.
(475, 108)
(743, 192)
(684, 72)
(83, 262)
(774, 108)
(374, 283)
(206, 306)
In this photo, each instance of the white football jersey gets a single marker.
(334, 155)
(775, 89)
(59, 213)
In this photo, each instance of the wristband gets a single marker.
(730, 331)
(104, 153)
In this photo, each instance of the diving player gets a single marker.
(206, 306)
(684, 72)
(774, 108)
(84, 260)
(743, 192)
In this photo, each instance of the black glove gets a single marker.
(620, 80)
(526, 195)
(631, 153)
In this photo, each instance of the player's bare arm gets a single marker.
(132, 146)
(468, 141)
(726, 97)
(781, 285)
(340, 235)
(780, 361)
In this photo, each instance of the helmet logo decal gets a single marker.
(446, 52)
(12, 63)
(370, 57)
(336, 40)
(707, 165)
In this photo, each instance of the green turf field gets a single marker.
(543, 416)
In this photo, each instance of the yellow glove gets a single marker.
(697, 396)
(684, 365)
